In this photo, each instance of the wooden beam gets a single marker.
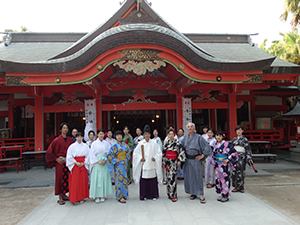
(125, 107)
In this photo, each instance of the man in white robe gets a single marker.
(147, 171)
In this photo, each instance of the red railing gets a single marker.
(28, 142)
(263, 135)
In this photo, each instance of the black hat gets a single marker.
(147, 129)
(79, 134)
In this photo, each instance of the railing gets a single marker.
(262, 135)
(27, 142)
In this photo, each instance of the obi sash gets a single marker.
(239, 149)
(171, 154)
(220, 157)
(121, 155)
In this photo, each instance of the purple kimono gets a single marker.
(221, 152)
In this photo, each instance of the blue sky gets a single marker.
(189, 16)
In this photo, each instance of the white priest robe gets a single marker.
(151, 169)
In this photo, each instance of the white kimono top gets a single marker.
(75, 150)
(98, 147)
(150, 168)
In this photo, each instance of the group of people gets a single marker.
(89, 170)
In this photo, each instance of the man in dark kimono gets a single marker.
(56, 156)
(196, 149)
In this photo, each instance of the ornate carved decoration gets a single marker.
(205, 97)
(140, 68)
(68, 99)
(166, 84)
(140, 54)
(139, 98)
(127, 75)
(256, 78)
(16, 81)
(111, 85)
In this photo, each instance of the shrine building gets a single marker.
(140, 70)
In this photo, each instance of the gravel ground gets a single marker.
(281, 191)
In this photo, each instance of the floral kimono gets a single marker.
(221, 152)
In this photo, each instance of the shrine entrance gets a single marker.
(156, 119)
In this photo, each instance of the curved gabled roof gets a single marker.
(137, 34)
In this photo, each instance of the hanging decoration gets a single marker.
(90, 117)
(187, 112)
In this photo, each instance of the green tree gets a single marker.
(287, 49)
(291, 7)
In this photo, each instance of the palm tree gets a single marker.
(291, 7)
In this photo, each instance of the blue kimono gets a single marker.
(119, 150)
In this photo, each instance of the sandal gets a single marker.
(174, 199)
(61, 202)
(224, 199)
(219, 199)
(242, 191)
(192, 197)
(122, 200)
(202, 200)
(209, 186)
(235, 190)
(76, 203)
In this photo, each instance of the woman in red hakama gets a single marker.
(78, 163)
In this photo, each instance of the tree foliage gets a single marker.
(287, 49)
(291, 7)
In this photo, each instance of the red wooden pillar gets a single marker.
(232, 114)
(39, 123)
(179, 113)
(98, 110)
(212, 118)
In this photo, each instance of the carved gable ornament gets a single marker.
(140, 61)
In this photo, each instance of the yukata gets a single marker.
(149, 173)
(58, 149)
(193, 177)
(122, 151)
(111, 141)
(100, 178)
(205, 136)
(243, 148)
(209, 167)
(172, 153)
(180, 169)
(78, 184)
(127, 139)
(221, 152)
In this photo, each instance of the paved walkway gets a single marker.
(241, 209)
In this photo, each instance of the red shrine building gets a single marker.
(139, 68)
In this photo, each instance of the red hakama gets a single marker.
(78, 182)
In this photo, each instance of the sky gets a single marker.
(187, 16)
